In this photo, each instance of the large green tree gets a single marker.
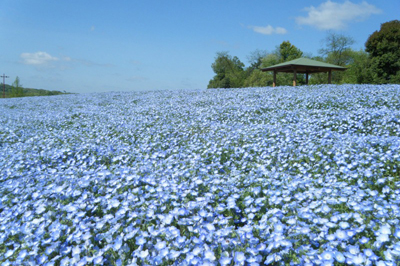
(383, 47)
(229, 72)
(288, 51)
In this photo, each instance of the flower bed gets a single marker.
(256, 176)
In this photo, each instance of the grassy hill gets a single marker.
(29, 92)
(306, 175)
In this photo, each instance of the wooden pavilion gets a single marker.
(304, 66)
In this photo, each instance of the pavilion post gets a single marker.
(306, 78)
(294, 77)
(274, 84)
(330, 77)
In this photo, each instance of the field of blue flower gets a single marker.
(256, 176)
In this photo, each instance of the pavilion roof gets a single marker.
(303, 65)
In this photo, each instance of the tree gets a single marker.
(17, 90)
(383, 47)
(229, 72)
(337, 49)
(288, 51)
(254, 77)
(255, 59)
(358, 70)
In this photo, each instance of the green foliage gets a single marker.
(17, 90)
(283, 53)
(383, 47)
(337, 49)
(256, 59)
(229, 72)
(257, 78)
(358, 70)
(28, 92)
(288, 51)
(379, 63)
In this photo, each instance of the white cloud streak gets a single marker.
(38, 58)
(336, 16)
(268, 30)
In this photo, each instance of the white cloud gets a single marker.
(268, 30)
(335, 16)
(38, 58)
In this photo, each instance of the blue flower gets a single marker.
(383, 238)
(354, 250)
(209, 255)
(327, 256)
(341, 235)
(344, 225)
(358, 259)
(368, 252)
(9, 253)
(160, 245)
(385, 229)
(364, 240)
(397, 233)
(140, 240)
(270, 259)
(143, 254)
(224, 260)
(239, 257)
(98, 260)
(42, 259)
(339, 257)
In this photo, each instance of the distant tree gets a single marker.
(257, 78)
(337, 49)
(383, 47)
(254, 77)
(17, 90)
(229, 72)
(255, 59)
(358, 69)
(260, 79)
(288, 51)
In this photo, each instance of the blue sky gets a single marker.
(96, 46)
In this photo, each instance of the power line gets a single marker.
(4, 84)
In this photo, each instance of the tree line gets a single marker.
(16, 90)
(378, 63)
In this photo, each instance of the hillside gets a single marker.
(29, 92)
(306, 175)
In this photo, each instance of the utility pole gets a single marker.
(4, 84)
